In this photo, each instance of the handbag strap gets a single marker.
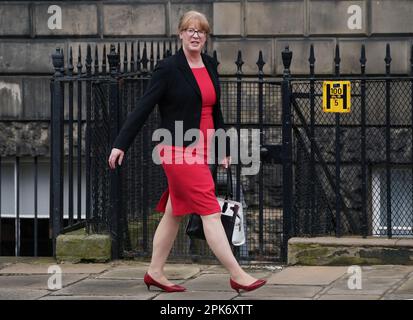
(229, 189)
(229, 184)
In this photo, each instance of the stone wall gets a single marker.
(27, 39)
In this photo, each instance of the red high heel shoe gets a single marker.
(255, 285)
(149, 281)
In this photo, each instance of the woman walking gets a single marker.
(186, 88)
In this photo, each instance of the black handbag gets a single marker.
(194, 228)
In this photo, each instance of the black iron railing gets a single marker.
(352, 172)
(320, 174)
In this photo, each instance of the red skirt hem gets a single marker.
(161, 206)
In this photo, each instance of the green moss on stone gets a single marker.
(77, 248)
(318, 254)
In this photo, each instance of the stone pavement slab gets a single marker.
(21, 294)
(209, 282)
(277, 291)
(215, 269)
(28, 268)
(370, 286)
(123, 280)
(398, 297)
(263, 271)
(269, 298)
(6, 261)
(124, 272)
(36, 281)
(172, 272)
(105, 287)
(405, 288)
(349, 297)
(215, 282)
(196, 295)
(388, 271)
(139, 296)
(307, 275)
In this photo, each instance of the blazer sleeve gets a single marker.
(136, 118)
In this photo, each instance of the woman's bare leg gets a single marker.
(163, 240)
(218, 242)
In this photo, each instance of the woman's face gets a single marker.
(193, 41)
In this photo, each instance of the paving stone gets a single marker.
(104, 287)
(247, 268)
(119, 263)
(3, 265)
(21, 294)
(386, 271)
(26, 268)
(370, 286)
(209, 282)
(257, 273)
(307, 275)
(124, 272)
(26, 279)
(270, 298)
(398, 297)
(181, 271)
(348, 297)
(196, 295)
(140, 296)
(405, 288)
(216, 269)
(36, 281)
(283, 291)
(172, 272)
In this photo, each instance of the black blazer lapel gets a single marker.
(189, 76)
(186, 70)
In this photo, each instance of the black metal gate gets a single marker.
(352, 173)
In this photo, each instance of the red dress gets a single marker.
(190, 185)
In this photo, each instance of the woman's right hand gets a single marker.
(114, 155)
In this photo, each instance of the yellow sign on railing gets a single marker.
(336, 96)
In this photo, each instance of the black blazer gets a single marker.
(174, 88)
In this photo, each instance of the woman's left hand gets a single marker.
(226, 162)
